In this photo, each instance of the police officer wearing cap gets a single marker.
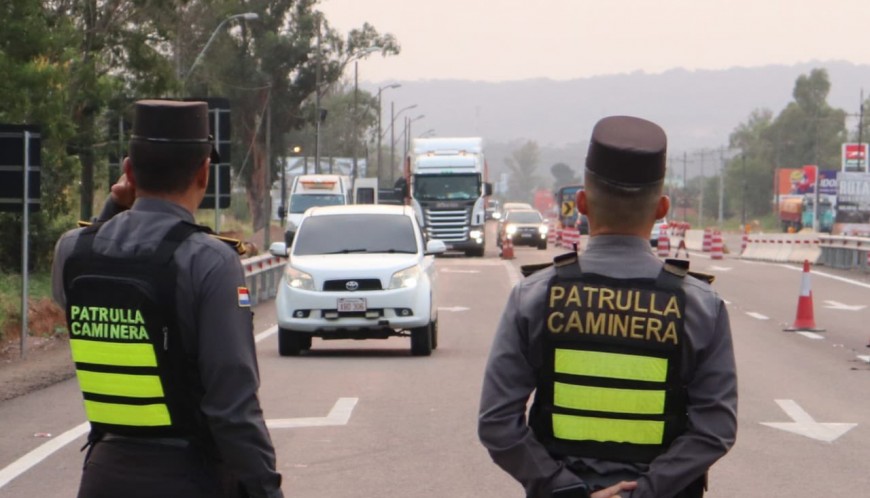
(630, 358)
(161, 330)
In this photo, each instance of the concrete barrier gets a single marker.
(784, 248)
(694, 239)
(262, 275)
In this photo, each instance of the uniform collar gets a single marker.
(611, 242)
(162, 206)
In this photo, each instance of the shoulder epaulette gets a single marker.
(527, 270)
(704, 277)
(236, 244)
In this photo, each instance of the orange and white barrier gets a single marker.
(663, 244)
(708, 240)
(717, 247)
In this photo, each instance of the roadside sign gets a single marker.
(855, 158)
(20, 152)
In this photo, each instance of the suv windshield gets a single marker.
(523, 217)
(300, 202)
(355, 233)
(446, 187)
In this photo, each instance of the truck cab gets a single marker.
(316, 190)
(447, 185)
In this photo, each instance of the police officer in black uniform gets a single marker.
(630, 358)
(161, 329)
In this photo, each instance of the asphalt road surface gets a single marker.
(367, 419)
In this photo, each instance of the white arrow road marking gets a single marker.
(452, 308)
(720, 268)
(811, 335)
(834, 305)
(40, 453)
(451, 270)
(864, 358)
(339, 415)
(804, 425)
(757, 316)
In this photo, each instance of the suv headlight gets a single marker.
(405, 278)
(510, 229)
(543, 229)
(298, 279)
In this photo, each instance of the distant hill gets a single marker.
(698, 109)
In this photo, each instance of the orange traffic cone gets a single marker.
(805, 320)
(663, 245)
(507, 248)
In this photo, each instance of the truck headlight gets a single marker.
(543, 229)
(510, 229)
(405, 278)
(298, 279)
(475, 234)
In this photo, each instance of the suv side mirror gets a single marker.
(435, 247)
(487, 189)
(289, 235)
(278, 249)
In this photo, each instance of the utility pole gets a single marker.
(743, 203)
(392, 140)
(685, 191)
(701, 196)
(355, 118)
(721, 185)
(317, 104)
(861, 132)
(267, 186)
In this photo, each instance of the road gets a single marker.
(364, 418)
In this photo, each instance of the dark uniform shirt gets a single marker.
(516, 356)
(217, 332)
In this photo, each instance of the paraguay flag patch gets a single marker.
(244, 298)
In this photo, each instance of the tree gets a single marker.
(564, 175)
(522, 168)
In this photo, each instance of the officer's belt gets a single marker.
(174, 442)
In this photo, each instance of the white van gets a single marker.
(316, 190)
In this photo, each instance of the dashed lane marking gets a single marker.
(757, 316)
(811, 335)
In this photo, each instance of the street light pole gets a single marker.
(408, 122)
(393, 116)
(380, 154)
(248, 16)
(355, 116)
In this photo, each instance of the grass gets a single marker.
(38, 286)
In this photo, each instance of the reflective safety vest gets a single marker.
(610, 385)
(125, 340)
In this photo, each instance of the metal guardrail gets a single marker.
(262, 276)
(845, 252)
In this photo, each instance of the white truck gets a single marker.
(316, 190)
(446, 183)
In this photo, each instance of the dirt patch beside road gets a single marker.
(46, 358)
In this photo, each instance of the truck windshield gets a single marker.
(446, 187)
(300, 202)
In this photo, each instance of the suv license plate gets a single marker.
(351, 304)
(527, 236)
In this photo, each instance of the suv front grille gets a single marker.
(365, 284)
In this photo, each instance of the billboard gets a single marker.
(853, 204)
(800, 181)
(854, 158)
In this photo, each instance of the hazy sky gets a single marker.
(497, 40)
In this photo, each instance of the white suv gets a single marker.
(358, 272)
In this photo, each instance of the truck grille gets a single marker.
(449, 225)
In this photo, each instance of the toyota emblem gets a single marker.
(352, 285)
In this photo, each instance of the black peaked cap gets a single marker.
(170, 121)
(627, 151)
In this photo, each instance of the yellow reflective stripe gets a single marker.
(132, 415)
(611, 365)
(122, 354)
(115, 384)
(605, 399)
(607, 429)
